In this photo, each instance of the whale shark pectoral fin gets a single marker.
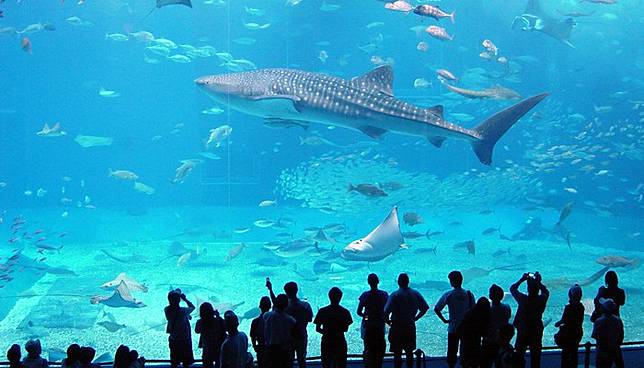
(372, 131)
(282, 102)
(436, 141)
(380, 79)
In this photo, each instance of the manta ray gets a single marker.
(122, 298)
(383, 241)
(535, 19)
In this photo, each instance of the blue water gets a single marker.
(593, 115)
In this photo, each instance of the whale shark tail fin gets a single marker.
(492, 129)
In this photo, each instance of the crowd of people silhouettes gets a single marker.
(478, 330)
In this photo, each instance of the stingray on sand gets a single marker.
(121, 298)
(383, 241)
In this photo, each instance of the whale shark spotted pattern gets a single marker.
(364, 103)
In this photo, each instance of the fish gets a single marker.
(181, 59)
(241, 230)
(54, 131)
(368, 190)
(399, 5)
(439, 33)
(415, 235)
(108, 93)
(412, 218)
(143, 188)
(495, 92)
(87, 141)
(535, 19)
(218, 136)
(469, 245)
(491, 230)
(184, 170)
(434, 12)
(267, 203)
(264, 223)
(564, 213)
(122, 174)
(25, 45)
(129, 282)
(381, 242)
(364, 103)
(235, 251)
(446, 74)
(490, 47)
(118, 37)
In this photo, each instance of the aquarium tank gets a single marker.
(208, 145)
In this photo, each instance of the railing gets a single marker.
(421, 358)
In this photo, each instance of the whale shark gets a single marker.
(382, 242)
(365, 103)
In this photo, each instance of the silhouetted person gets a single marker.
(332, 322)
(136, 361)
(570, 328)
(180, 339)
(210, 327)
(471, 331)
(13, 356)
(458, 302)
(303, 314)
(73, 354)
(257, 332)
(371, 307)
(278, 334)
(528, 319)
(608, 332)
(33, 359)
(234, 350)
(500, 314)
(507, 357)
(610, 291)
(404, 307)
(122, 357)
(86, 357)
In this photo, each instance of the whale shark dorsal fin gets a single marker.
(379, 79)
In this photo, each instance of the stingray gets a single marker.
(121, 298)
(535, 19)
(162, 3)
(132, 258)
(382, 242)
(129, 282)
(477, 272)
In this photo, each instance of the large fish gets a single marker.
(535, 19)
(383, 241)
(364, 103)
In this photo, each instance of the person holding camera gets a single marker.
(180, 339)
(528, 320)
